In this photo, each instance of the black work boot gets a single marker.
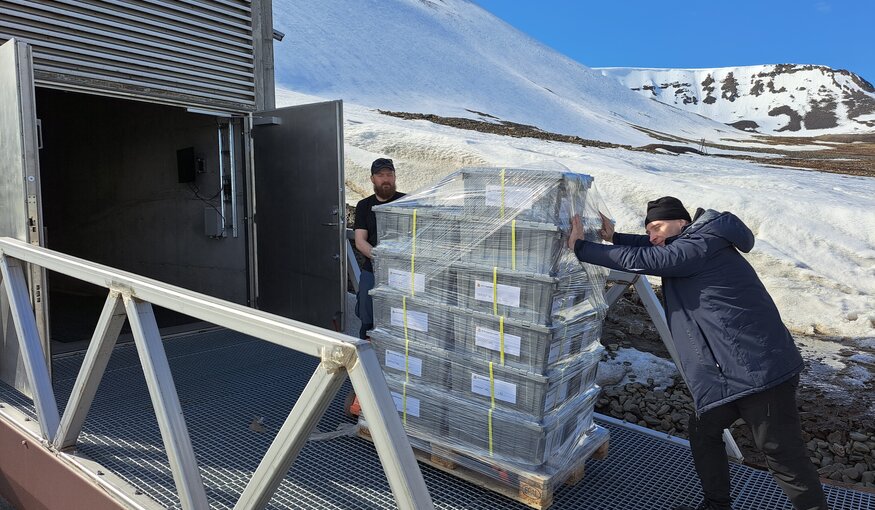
(702, 506)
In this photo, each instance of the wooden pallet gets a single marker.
(531, 489)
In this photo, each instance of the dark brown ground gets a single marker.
(855, 155)
(628, 325)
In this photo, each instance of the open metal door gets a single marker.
(20, 209)
(300, 221)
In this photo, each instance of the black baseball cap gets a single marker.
(380, 164)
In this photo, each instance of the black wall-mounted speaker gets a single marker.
(186, 164)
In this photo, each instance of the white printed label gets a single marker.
(401, 280)
(505, 294)
(412, 404)
(415, 320)
(515, 197)
(504, 391)
(491, 339)
(396, 360)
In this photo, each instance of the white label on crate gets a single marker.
(504, 391)
(412, 404)
(505, 294)
(401, 280)
(515, 197)
(415, 320)
(396, 360)
(491, 339)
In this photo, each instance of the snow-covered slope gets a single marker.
(452, 58)
(775, 99)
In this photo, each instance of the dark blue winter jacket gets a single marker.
(728, 332)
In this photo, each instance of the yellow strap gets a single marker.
(413, 259)
(490, 431)
(501, 337)
(513, 244)
(404, 402)
(502, 192)
(495, 290)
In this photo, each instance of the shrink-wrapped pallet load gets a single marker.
(487, 325)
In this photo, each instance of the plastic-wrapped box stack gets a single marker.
(486, 324)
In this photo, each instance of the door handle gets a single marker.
(331, 224)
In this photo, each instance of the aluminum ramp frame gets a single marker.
(227, 379)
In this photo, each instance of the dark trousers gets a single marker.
(364, 306)
(774, 420)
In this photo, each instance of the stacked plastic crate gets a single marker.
(486, 324)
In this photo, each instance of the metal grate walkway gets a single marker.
(226, 379)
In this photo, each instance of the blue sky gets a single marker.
(631, 33)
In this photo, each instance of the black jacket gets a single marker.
(729, 335)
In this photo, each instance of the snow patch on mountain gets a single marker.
(453, 58)
(775, 99)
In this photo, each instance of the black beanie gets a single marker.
(666, 208)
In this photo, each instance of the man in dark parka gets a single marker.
(738, 357)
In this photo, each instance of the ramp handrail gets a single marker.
(131, 297)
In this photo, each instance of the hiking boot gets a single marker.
(702, 506)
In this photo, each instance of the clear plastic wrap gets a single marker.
(486, 324)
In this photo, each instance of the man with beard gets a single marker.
(383, 179)
(738, 357)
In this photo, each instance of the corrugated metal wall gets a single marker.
(186, 52)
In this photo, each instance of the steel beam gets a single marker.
(388, 433)
(289, 333)
(168, 411)
(109, 325)
(30, 346)
(291, 438)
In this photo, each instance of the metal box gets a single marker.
(536, 395)
(416, 276)
(514, 245)
(527, 195)
(423, 411)
(527, 346)
(437, 230)
(528, 297)
(515, 437)
(417, 319)
(411, 360)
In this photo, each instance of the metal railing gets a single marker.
(131, 298)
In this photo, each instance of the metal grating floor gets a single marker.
(225, 379)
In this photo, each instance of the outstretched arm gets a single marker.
(681, 258)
